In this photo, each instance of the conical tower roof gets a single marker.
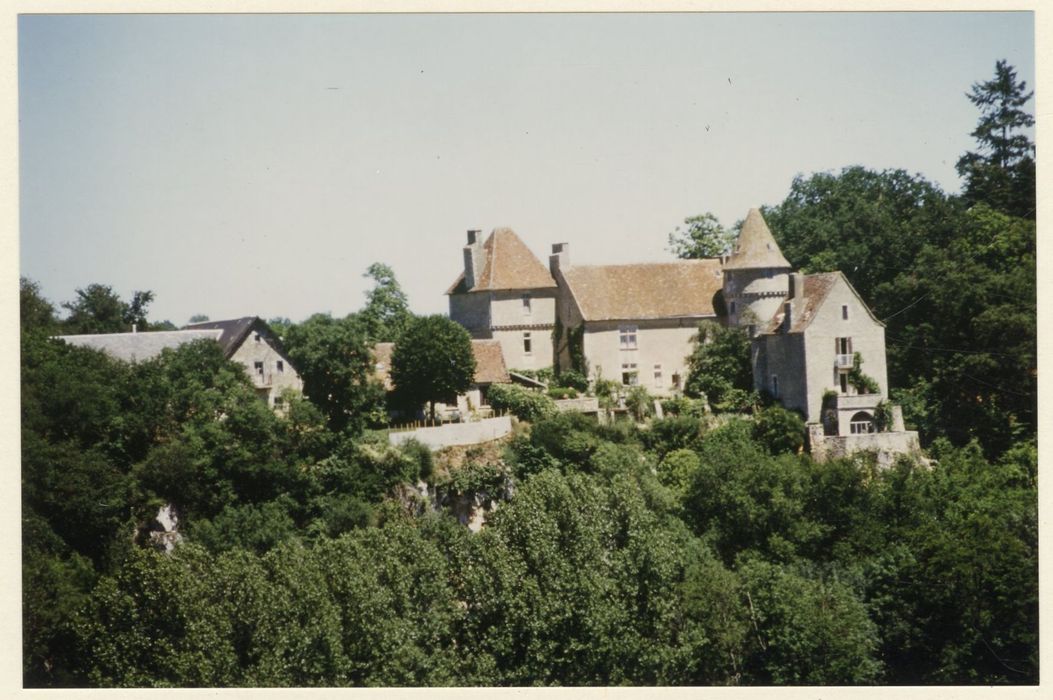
(755, 247)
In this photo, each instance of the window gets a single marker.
(258, 366)
(280, 366)
(526, 305)
(277, 402)
(843, 348)
(627, 337)
(861, 423)
(676, 380)
(731, 307)
(775, 386)
(256, 337)
(843, 378)
(629, 374)
(527, 343)
(844, 311)
(658, 375)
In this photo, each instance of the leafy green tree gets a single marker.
(98, 309)
(36, 312)
(871, 225)
(1002, 172)
(386, 313)
(779, 430)
(719, 363)
(432, 361)
(334, 358)
(703, 237)
(808, 631)
(198, 318)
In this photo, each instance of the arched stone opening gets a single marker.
(862, 422)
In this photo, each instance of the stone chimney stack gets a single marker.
(796, 285)
(560, 258)
(473, 257)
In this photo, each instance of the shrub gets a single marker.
(638, 401)
(779, 430)
(562, 392)
(573, 378)
(522, 403)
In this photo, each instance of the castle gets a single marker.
(812, 336)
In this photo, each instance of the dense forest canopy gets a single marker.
(700, 548)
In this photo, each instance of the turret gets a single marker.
(756, 275)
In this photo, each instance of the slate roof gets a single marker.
(680, 289)
(233, 330)
(137, 347)
(755, 246)
(489, 363)
(507, 264)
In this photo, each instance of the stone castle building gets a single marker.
(636, 323)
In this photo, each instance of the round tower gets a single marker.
(756, 275)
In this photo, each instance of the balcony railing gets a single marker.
(844, 361)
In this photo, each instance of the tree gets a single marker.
(704, 237)
(36, 312)
(198, 318)
(1002, 171)
(98, 309)
(720, 364)
(334, 359)
(386, 313)
(432, 361)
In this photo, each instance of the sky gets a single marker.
(258, 164)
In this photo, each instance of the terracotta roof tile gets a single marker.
(489, 363)
(645, 290)
(755, 246)
(816, 289)
(507, 264)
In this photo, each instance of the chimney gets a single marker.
(796, 285)
(560, 258)
(472, 256)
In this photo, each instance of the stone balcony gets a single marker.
(856, 402)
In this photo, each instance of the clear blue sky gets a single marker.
(256, 165)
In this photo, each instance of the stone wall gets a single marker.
(456, 433)
(887, 445)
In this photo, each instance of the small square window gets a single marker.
(280, 366)
(658, 375)
(278, 402)
(258, 366)
(256, 337)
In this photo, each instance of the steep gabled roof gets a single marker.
(233, 330)
(685, 288)
(755, 246)
(816, 290)
(507, 264)
(489, 363)
(137, 347)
